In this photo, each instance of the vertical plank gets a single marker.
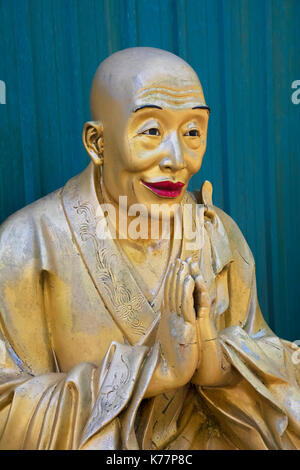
(27, 99)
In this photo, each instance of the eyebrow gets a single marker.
(147, 106)
(202, 107)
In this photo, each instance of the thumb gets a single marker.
(202, 298)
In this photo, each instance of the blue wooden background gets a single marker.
(247, 54)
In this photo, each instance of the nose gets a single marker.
(173, 156)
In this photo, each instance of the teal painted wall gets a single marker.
(247, 54)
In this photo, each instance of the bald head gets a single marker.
(143, 76)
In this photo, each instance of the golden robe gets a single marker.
(78, 340)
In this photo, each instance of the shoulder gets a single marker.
(33, 211)
(20, 232)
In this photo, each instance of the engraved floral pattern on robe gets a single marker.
(126, 306)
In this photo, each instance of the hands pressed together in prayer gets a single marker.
(190, 348)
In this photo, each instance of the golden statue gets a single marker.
(127, 342)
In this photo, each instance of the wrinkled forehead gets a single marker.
(165, 85)
(165, 81)
(173, 96)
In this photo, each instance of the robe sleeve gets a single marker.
(260, 409)
(40, 407)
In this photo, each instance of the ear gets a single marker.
(92, 137)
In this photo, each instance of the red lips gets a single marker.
(165, 188)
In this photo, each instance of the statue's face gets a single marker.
(155, 147)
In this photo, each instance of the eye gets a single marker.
(152, 131)
(193, 133)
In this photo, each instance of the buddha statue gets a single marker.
(115, 337)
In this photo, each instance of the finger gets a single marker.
(195, 269)
(193, 266)
(203, 314)
(181, 274)
(202, 298)
(173, 283)
(193, 259)
(188, 311)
